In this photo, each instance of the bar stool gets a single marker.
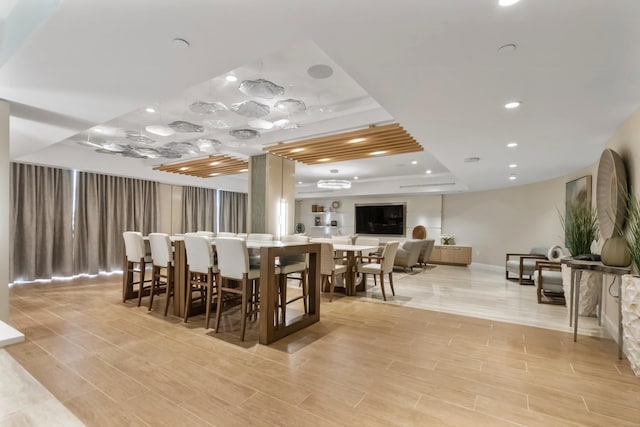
(202, 272)
(162, 258)
(137, 260)
(289, 265)
(233, 261)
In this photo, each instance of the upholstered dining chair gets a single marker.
(209, 234)
(202, 274)
(384, 265)
(137, 260)
(226, 234)
(162, 258)
(289, 265)
(368, 241)
(237, 277)
(328, 267)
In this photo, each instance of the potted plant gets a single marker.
(580, 225)
(630, 287)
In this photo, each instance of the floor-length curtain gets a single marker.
(105, 207)
(233, 211)
(198, 209)
(41, 222)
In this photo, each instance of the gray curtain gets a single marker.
(198, 209)
(41, 222)
(105, 207)
(233, 211)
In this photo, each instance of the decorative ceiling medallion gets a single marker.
(250, 109)
(216, 124)
(261, 88)
(185, 127)
(204, 107)
(260, 124)
(138, 137)
(290, 106)
(160, 130)
(133, 154)
(244, 133)
(182, 147)
(206, 144)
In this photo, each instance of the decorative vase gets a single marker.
(590, 290)
(615, 252)
(630, 306)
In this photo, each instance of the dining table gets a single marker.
(351, 284)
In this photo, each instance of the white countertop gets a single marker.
(9, 335)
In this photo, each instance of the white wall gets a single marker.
(508, 220)
(5, 244)
(421, 210)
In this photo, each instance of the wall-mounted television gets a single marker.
(386, 219)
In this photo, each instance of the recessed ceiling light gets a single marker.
(299, 182)
(244, 170)
(326, 159)
(320, 71)
(511, 105)
(513, 177)
(231, 78)
(297, 150)
(181, 43)
(512, 144)
(507, 48)
(472, 159)
(354, 140)
(334, 171)
(356, 177)
(428, 171)
(150, 110)
(184, 168)
(214, 163)
(414, 162)
(506, 3)
(513, 165)
(214, 174)
(377, 153)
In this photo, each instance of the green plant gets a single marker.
(633, 229)
(580, 225)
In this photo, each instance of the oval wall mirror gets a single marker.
(611, 188)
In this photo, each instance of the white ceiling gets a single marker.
(432, 66)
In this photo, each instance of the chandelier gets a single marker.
(334, 184)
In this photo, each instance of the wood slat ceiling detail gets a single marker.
(390, 139)
(207, 167)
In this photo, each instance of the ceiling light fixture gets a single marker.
(214, 163)
(513, 177)
(334, 184)
(297, 150)
(326, 159)
(150, 110)
(214, 174)
(354, 140)
(244, 170)
(513, 165)
(299, 182)
(513, 104)
(512, 145)
(356, 178)
(414, 162)
(506, 3)
(377, 153)
(428, 171)
(184, 168)
(231, 78)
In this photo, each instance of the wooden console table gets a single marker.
(577, 267)
(451, 254)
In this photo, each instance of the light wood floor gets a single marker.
(366, 363)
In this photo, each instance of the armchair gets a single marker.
(425, 254)
(548, 280)
(407, 255)
(524, 265)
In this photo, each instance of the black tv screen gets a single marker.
(380, 219)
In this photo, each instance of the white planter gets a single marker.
(590, 290)
(630, 294)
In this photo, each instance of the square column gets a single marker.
(271, 195)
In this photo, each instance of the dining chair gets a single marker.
(382, 266)
(368, 241)
(226, 234)
(260, 237)
(289, 265)
(209, 234)
(137, 260)
(329, 268)
(162, 259)
(202, 273)
(237, 277)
